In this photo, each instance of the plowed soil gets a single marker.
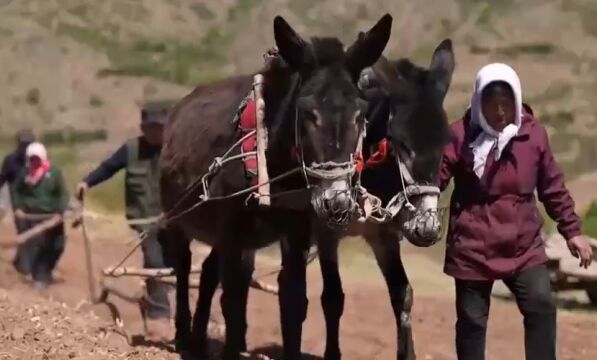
(60, 324)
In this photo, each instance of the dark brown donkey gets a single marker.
(406, 113)
(315, 121)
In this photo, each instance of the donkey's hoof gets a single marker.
(182, 344)
(231, 355)
(332, 355)
(407, 356)
(192, 352)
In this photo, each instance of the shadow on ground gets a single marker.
(272, 351)
(570, 304)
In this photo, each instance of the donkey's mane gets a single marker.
(328, 51)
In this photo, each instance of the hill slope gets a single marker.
(85, 64)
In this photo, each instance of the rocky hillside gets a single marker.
(85, 64)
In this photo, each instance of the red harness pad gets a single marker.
(248, 123)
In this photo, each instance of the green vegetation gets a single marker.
(83, 11)
(202, 12)
(6, 32)
(108, 196)
(558, 120)
(554, 92)
(513, 51)
(589, 221)
(586, 159)
(488, 9)
(549, 225)
(306, 11)
(168, 60)
(586, 10)
(241, 8)
(133, 54)
(95, 101)
(131, 11)
(33, 97)
(66, 159)
(532, 49)
(71, 137)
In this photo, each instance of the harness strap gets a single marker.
(374, 212)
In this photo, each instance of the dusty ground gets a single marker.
(59, 325)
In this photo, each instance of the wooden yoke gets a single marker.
(262, 174)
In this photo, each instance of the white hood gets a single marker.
(489, 137)
(37, 149)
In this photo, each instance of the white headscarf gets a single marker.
(489, 138)
(35, 174)
(37, 149)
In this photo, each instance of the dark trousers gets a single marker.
(159, 305)
(39, 255)
(20, 261)
(532, 290)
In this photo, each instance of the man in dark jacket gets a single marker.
(14, 163)
(139, 157)
(12, 166)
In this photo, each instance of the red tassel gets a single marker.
(380, 156)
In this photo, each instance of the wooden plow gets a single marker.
(167, 275)
(46, 222)
(101, 291)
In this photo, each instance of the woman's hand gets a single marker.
(581, 249)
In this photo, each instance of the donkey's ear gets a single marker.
(442, 68)
(293, 49)
(369, 46)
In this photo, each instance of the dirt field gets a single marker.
(60, 325)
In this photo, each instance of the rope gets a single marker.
(142, 237)
(387, 213)
(168, 217)
(215, 165)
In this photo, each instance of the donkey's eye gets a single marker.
(312, 116)
(309, 115)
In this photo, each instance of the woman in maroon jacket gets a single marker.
(499, 155)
